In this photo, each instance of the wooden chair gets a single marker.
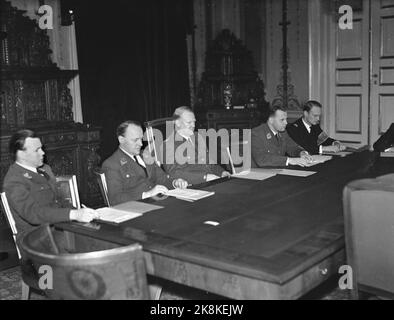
(155, 290)
(369, 219)
(11, 222)
(117, 273)
(242, 149)
(165, 126)
(102, 182)
(67, 190)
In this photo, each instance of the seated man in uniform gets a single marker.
(194, 163)
(307, 133)
(128, 176)
(272, 146)
(30, 187)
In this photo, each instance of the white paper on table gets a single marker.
(340, 153)
(137, 207)
(116, 215)
(211, 177)
(255, 174)
(317, 159)
(321, 158)
(189, 194)
(296, 173)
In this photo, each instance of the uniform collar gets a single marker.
(129, 154)
(30, 168)
(274, 132)
(136, 158)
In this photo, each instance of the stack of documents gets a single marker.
(116, 215)
(296, 173)
(137, 207)
(388, 153)
(255, 174)
(189, 194)
(125, 211)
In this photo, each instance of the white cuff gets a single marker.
(287, 162)
(320, 149)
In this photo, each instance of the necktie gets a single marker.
(140, 162)
(277, 138)
(43, 173)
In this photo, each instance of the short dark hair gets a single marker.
(310, 104)
(272, 110)
(17, 141)
(121, 129)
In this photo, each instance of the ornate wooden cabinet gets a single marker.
(229, 119)
(34, 95)
(230, 80)
(230, 94)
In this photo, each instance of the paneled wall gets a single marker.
(382, 84)
(349, 108)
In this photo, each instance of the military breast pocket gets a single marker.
(43, 188)
(128, 178)
(43, 193)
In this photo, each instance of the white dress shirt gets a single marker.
(308, 127)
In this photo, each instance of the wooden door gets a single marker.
(349, 110)
(382, 70)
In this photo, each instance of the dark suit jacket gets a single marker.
(195, 166)
(267, 151)
(127, 180)
(309, 141)
(32, 198)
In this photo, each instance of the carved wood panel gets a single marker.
(230, 78)
(63, 160)
(23, 43)
(34, 94)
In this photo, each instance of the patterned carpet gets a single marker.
(10, 289)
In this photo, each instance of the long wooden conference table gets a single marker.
(275, 239)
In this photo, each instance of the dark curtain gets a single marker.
(132, 61)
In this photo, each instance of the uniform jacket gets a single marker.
(32, 198)
(309, 141)
(195, 165)
(268, 151)
(127, 180)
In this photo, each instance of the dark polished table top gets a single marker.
(270, 230)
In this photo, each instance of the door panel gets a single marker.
(349, 114)
(382, 72)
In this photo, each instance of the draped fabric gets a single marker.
(132, 61)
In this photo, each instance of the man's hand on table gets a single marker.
(158, 189)
(226, 174)
(298, 162)
(180, 183)
(83, 215)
